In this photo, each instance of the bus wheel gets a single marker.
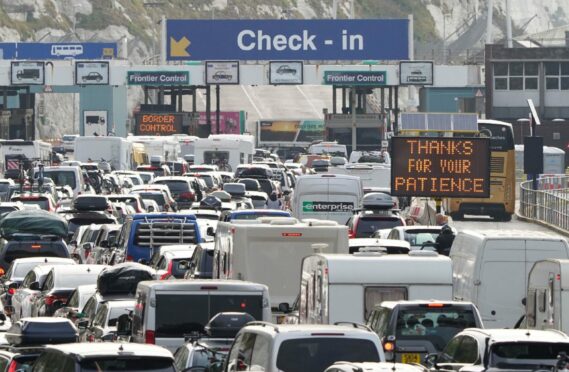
(504, 217)
(456, 216)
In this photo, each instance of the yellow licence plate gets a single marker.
(410, 358)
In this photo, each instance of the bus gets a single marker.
(502, 201)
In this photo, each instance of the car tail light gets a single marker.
(90, 338)
(11, 291)
(168, 272)
(36, 246)
(50, 299)
(187, 196)
(149, 337)
(2, 272)
(13, 367)
(129, 258)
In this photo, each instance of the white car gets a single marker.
(68, 142)
(23, 299)
(416, 235)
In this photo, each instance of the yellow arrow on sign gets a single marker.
(178, 47)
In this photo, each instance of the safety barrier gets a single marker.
(548, 202)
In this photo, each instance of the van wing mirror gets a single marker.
(284, 307)
(210, 231)
(35, 286)
(431, 360)
(124, 325)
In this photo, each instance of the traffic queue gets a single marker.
(228, 259)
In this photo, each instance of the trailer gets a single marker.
(115, 150)
(227, 151)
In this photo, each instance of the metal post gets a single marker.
(382, 100)
(208, 107)
(396, 111)
(163, 44)
(217, 105)
(145, 95)
(343, 100)
(194, 101)
(489, 22)
(509, 42)
(354, 117)
(180, 100)
(334, 100)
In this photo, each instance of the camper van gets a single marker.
(491, 268)
(327, 197)
(166, 146)
(12, 152)
(269, 250)
(328, 148)
(166, 311)
(547, 298)
(227, 151)
(187, 144)
(346, 287)
(115, 150)
(372, 175)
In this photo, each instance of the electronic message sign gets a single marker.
(158, 124)
(440, 167)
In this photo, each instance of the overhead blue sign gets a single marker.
(47, 51)
(381, 39)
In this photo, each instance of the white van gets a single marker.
(346, 287)
(165, 146)
(13, 151)
(115, 150)
(167, 310)
(491, 268)
(269, 250)
(227, 151)
(327, 197)
(547, 298)
(64, 176)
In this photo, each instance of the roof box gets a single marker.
(123, 278)
(377, 200)
(42, 331)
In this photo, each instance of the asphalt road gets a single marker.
(483, 223)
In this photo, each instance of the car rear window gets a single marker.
(175, 186)
(43, 203)
(157, 197)
(318, 353)
(368, 225)
(526, 355)
(61, 177)
(180, 266)
(179, 314)
(29, 249)
(419, 237)
(435, 324)
(131, 364)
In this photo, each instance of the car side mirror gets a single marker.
(58, 304)
(124, 325)
(88, 246)
(108, 337)
(286, 192)
(284, 307)
(104, 244)
(431, 360)
(210, 231)
(35, 286)
(83, 324)
(14, 286)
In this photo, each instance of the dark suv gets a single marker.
(30, 245)
(366, 223)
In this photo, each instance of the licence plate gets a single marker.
(411, 358)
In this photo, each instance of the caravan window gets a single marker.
(376, 295)
(215, 157)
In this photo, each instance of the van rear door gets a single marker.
(502, 282)
(178, 314)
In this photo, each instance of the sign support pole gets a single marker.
(217, 105)
(354, 117)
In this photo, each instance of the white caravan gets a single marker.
(12, 151)
(328, 148)
(115, 150)
(227, 151)
(187, 143)
(547, 298)
(491, 268)
(269, 250)
(346, 287)
(372, 175)
(327, 197)
(165, 146)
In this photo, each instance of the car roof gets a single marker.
(41, 260)
(88, 350)
(392, 304)
(514, 335)
(376, 242)
(170, 178)
(180, 253)
(513, 234)
(128, 302)
(378, 366)
(77, 269)
(308, 329)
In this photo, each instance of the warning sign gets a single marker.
(440, 167)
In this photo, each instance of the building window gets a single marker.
(516, 76)
(557, 75)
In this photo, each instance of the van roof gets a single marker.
(193, 284)
(563, 265)
(513, 234)
(392, 304)
(89, 350)
(393, 269)
(515, 335)
(303, 330)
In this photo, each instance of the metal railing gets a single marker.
(548, 203)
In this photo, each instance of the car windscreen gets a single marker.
(69, 138)
(22, 269)
(43, 203)
(61, 177)
(435, 324)
(180, 266)
(180, 314)
(368, 225)
(266, 186)
(129, 364)
(525, 355)
(116, 312)
(318, 353)
(207, 179)
(419, 237)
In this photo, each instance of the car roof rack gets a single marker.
(264, 324)
(355, 325)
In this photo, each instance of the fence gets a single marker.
(548, 203)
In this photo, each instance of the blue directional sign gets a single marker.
(47, 51)
(381, 39)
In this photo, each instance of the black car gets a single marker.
(222, 75)
(30, 245)
(286, 69)
(92, 76)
